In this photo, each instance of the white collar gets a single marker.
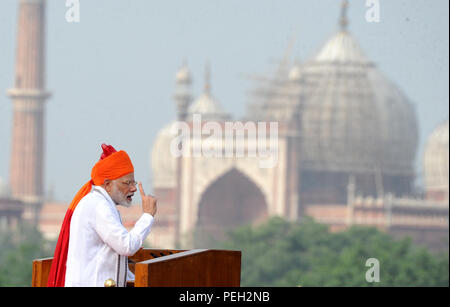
(105, 194)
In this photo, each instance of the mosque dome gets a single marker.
(350, 117)
(353, 118)
(162, 162)
(206, 105)
(208, 108)
(435, 160)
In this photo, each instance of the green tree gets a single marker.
(18, 248)
(280, 253)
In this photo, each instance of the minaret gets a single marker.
(29, 97)
(183, 95)
(343, 20)
(183, 99)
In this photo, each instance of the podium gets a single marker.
(170, 268)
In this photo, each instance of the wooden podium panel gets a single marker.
(170, 268)
(194, 268)
(41, 270)
(147, 254)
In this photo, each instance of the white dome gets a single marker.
(208, 107)
(435, 162)
(163, 163)
(351, 117)
(341, 48)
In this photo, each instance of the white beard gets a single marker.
(126, 204)
(119, 198)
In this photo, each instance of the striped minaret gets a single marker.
(29, 97)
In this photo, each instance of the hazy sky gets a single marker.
(112, 74)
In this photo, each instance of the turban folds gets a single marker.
(112, 165)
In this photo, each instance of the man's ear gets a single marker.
(107, 185)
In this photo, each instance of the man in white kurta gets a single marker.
(93, 245)
(99, 244)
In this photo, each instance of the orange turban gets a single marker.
(112, 165)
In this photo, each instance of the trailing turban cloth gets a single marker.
(112, 165)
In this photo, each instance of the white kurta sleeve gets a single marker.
(113, 233)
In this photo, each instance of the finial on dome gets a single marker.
(207, 79)
(343, 21)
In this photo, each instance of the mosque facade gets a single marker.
(346, 144)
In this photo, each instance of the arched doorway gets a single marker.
(230, 201)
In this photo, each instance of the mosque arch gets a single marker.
(230, 201)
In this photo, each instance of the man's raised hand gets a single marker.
(148, 202)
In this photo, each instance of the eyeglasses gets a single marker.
(130, 183)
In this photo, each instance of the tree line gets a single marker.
(280, 253)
